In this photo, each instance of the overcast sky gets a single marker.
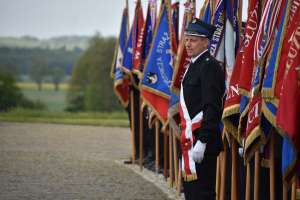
(49, 18)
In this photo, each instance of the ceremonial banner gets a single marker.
(138, 40)
(287, 118)
(131, 45)
(217, 42)
(247, 66)
(270, 102)
(128, 54)
(254, 134)
(121, 81)
(293, 9)
(145, 39)
(232, 35)
(256, 128)
(266, 30)
(231, 110)
(244, 61)
(156, 81)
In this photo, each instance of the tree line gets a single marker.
(39, 63)
(90, 86)
(20, 60)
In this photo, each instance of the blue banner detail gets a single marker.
(158, 69)
(288, 155)
(149, 31)
(122, 45)
(207, 14)
(128, 54)
(243, 103)
(270, 70)
(219, 33)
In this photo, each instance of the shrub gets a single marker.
(11, 96)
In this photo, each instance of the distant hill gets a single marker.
(68, 42)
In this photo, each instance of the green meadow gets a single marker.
(55, 102)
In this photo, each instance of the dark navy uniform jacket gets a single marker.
(203, 90)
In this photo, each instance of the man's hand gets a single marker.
(198, 151)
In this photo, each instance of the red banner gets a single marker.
(289, 104)
(248, 56)
(253, 130)
(138, 37)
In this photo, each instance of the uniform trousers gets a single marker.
(204, 187)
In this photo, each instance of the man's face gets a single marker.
(195, 45)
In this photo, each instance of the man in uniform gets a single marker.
(201, 104)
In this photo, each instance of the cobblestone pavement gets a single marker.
(47, 161)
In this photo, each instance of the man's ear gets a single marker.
(207, 42)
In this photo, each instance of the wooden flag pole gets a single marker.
(218, 175)
(157, 131)
(257, 175)
(179, 179)
(223, 177)
(141, 133)
(132, 125)
(272, 167)
(165, 153)
(294, 188)
(284, 191)
(171, 157)
(234, 188)
(247, 190)
(175, 157)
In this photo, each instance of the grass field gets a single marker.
(54, 100)
(119, 119)
(48, 86)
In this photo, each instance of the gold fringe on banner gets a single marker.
(250, 145)
(190, 177)
(230, 128)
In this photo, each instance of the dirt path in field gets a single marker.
(46, 161)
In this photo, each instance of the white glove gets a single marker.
(241, 151)
(198, 151)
